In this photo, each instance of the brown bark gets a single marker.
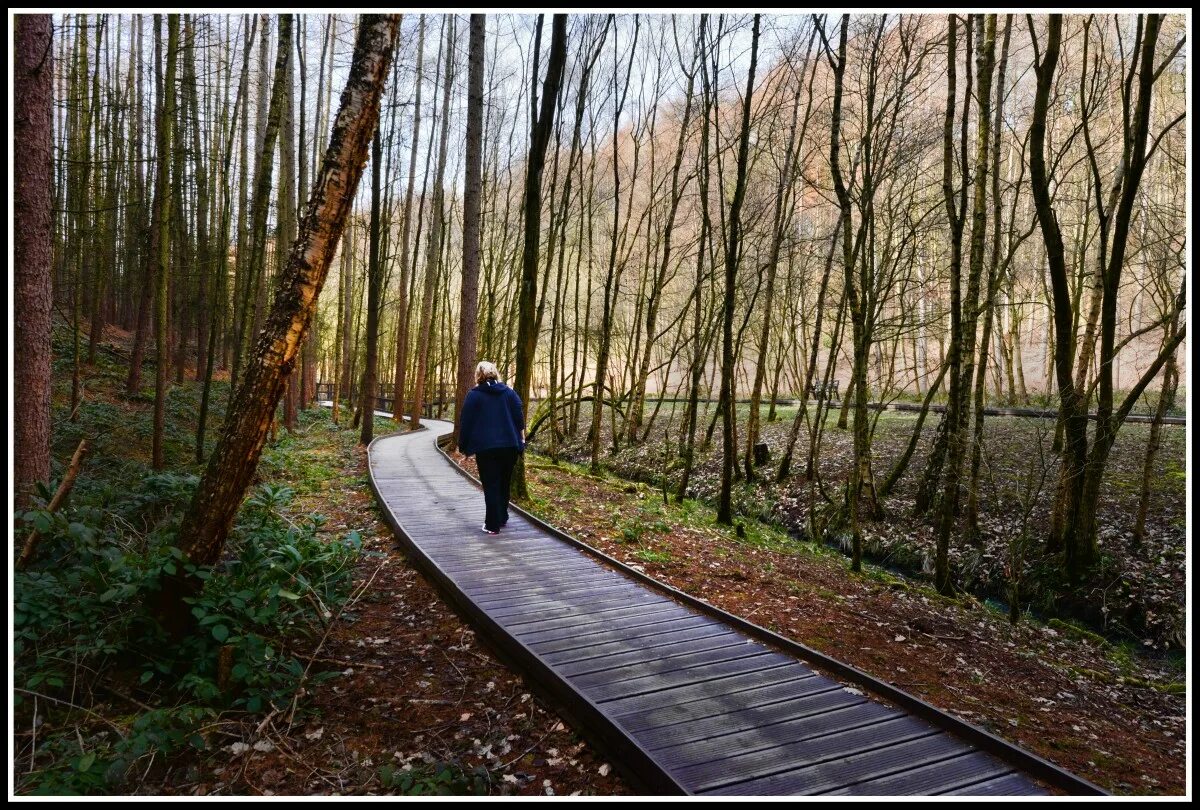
(220, 293)
(60, 497)
(210, 516)
(1073, 526)
(989, 303)
(33, 94)
(286, 200)
(783, 218)
(468, 327)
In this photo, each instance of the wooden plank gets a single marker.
(690, 666)
(482, 593)
(810, 698)
(969, 768)
(1013, 784)
(519, 593)
(525, 557)
(616, 617)
(824, 763)
(679, 652)
(646, 647)
(576, 603)
(714, 689)
(601, 692)
(839, 714)
(531, 570)
(551, 606)
(545, 641)
(792, 683)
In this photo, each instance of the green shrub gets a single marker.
(81, 619)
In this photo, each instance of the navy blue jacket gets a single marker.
(492, 417)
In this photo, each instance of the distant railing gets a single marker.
(385, 399)
(444, 402)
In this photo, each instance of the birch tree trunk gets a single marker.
(210, 516)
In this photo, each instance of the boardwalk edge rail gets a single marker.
(984, 740)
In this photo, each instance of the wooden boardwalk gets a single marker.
(681, 696)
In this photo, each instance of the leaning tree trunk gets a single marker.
(210, 516)
(32, 229)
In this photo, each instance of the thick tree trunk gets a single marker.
(948, 445)
(33, 94)
(210, 516)
(468, 327)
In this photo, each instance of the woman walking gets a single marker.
(493, 430)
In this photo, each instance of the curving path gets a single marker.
(685, 698)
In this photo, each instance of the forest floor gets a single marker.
(1135, 593)
(405, 700)
(400, 698)
(1101, 710)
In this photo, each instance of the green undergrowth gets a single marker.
(102, 693)
(645, 518)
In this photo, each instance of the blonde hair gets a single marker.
(486, 371)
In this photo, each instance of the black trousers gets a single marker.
(495, 472)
